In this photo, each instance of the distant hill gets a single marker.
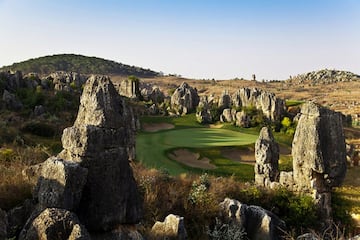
(324, 76)
(78, 63)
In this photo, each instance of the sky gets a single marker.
(203, 39)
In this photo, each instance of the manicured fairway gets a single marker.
(152, 148)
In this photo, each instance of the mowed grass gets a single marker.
(152, 149)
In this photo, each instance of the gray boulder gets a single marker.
(55, 224)
(3, 224)
(242, 119)
(102, 140)
(318, 149)
(257, 222)
(267, 159)
(153, 94)
(11, 101)
(228, 115)
(203, 113)
(319, 155)
(172, 228)
(60, 184)
(185, 99)
(130, 88)
(13, 80)
(224, 100)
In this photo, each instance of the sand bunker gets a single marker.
(246, 156)
(154, 127)
(191, 159)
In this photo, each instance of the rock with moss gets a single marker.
(228, 115)
(11, 102)
(242, 119)
(66, 81)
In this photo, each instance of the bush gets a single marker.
(30, 98)
(39, 129)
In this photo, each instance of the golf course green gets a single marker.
(152, 149)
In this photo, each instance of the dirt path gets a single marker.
(191, 159)
(154, 127)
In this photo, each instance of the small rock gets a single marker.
(172, 228)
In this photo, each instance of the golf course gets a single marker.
(187, 147)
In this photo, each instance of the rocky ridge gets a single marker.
(325, 76)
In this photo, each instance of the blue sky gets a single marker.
(220, 39)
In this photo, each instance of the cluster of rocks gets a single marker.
(318, 152)
(11, 82)
(324, 76)
(185, 99)
(88, 190)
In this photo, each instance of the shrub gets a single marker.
(39, 129)
(226, 231)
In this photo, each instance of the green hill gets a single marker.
(78, 63)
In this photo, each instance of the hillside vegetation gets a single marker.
(77, 63)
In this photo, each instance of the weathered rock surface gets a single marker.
(172, 228)
(11, 101)
(257, 222)
(228, 115)
(55, 224)
(267, 102)
(130, 88)
(18, 216)
(318, 149)
(185, 99)
(242, 119)
(66, 81)
(319, 155)
(153, 94)
(267, 159)
(60, 184)
(12, 80)
(224, 100)
(3, 225)
(103, 140)
(203, 112)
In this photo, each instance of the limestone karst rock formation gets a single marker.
(319, 153)
(171, 228)
(185, 99)
(65, 81)
(55, 224)
(267, 158)
(258, 223)
(102, 140)
(60, 184)
(267, 102)
(203, 112)
(130, 88)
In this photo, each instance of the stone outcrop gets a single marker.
(60, 184)
(257, 222)
(3, 224)
(228, 115)
(172, 228)
(325, 76)
(66, 81)
(102, 140)
(242, 119)
(130, 88)
(203, 111)
(319, 154)
(53, 224)
(185, 99)
(153, 94)
(224, 100)
(12, 80)
(11, 101)
(271, 106)
(267, 158)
